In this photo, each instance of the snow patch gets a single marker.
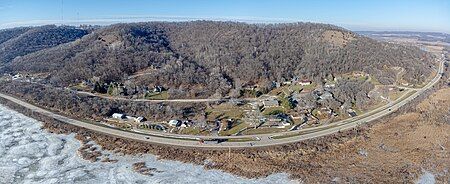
(426, 178)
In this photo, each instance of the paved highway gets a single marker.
(242, 141)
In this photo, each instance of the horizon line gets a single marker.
(105, 21)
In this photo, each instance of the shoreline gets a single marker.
(38, 151)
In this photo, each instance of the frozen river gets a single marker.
(31, 155)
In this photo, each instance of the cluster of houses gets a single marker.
(174, 124)
(276, 84)
(295, 80)
(22, 77)
(120, 88)
(278, 121)
(253, 116)
(141, 122)
(17, 76)
(321, 95)
(120, 116)
(180, 123)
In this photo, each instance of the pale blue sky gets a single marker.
(412, 15)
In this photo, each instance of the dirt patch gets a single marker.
(338, 38)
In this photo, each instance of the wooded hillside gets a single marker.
(22, 41)
(204, 58)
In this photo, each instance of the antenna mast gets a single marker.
(62, 12)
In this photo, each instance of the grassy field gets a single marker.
(226, 111)
(80, 87)
(253, 131)
(277, 91)
(236, 128)
(191, 131)
(394, 94)
(121, 125)
(351, 76)
(374, 81)
(287, 89)
(157, 96)
(271, 110)
(298, 87)
(240, 140)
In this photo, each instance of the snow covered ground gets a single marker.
(426, 178)
(31, 155)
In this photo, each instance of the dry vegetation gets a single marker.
(203, 59)
(394, 150)
(338, 38)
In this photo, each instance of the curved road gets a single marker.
(192, 100)
(242, 141)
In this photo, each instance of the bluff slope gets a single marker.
(203, 58)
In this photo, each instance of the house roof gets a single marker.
(352, 114)
(270, 102)
(174, 121)
(327, 94)
(140, 118)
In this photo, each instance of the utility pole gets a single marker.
(62, 12)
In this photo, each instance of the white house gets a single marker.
(17, 76)
(174, 123)
(158, 89)
(277, 123)
(287, 82)
(183, 125)
(118, 116)
(305, 82)
(351, 113)
(140, 119)
(330, 85)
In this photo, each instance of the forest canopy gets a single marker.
(204, 58)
